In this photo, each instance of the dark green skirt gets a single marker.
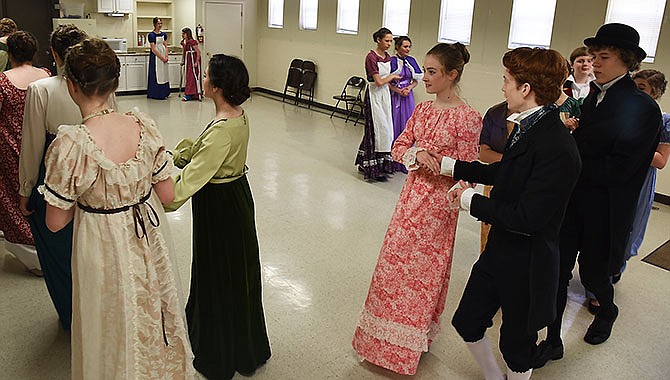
(225, 307)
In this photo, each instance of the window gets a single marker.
(308, 14)
(275, 13)
(347, 16)
(532, 23)
(643, 15)
(396, 16)
(456, 21)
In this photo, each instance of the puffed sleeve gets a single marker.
(151, 37)
(468, 136)
(162, 166)
(68, 170)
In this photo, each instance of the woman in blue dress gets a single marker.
(652, 82)
(158, 85)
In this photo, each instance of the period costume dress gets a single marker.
(19, 239)
(127, 319)
(48, 105)
(192, 87)
(374, 153)
(409, 285)
(645, 200)
(225, 307)
(403, 106)
(158, 84)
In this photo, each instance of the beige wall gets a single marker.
(339, 56)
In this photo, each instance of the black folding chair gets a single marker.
(352, 96)
(307, 86)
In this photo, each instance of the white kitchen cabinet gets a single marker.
(174, 68)
(122, 75)
(136, 73)
(115, 6)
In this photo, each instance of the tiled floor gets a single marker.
(320, 228)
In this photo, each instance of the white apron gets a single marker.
(162, 73)
(380, 106)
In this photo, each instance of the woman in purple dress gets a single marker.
(402, 97)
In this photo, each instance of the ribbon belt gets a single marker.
(138, 219)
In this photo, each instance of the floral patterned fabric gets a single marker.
(409, 285)
(127, 320)
(14, 225)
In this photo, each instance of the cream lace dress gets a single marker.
(127, 322)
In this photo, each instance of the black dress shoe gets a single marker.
(600, 328)
(546, 351)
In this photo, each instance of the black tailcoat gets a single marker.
(531, 188)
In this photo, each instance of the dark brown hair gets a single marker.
(156, 19)
(656, 80)
(22, 46)
(628, 57)
(189, 33)
(543, 69)
(7, 26)
(230, 75)
(93, 66)
(451, 56)
(381, 33)
(64, 37)
(399, 40)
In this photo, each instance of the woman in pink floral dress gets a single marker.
(409, 286)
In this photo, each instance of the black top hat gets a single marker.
(618, 35)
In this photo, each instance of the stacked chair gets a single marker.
(300, 81)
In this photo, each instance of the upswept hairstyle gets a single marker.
(230, 75)
(65, 37)
(656, 80)
(156, 19)
(451, 56)
(544, 70)
(93, 66)
(22, 46)
(381, 33)
(629, 57)
(7, 26)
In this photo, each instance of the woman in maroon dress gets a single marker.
(13, 87)
(191, 58)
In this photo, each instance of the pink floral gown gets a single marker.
(409, 285)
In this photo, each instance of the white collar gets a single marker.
(518, 116)
(606, 86)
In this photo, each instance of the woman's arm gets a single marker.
(153, 48)
(379, 81)
(57, 218)
(661, 156)
(488, 155)
(165, 190)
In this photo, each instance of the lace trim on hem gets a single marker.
(409, 158)
(396, 333)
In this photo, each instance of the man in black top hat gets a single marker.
(617, 135)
